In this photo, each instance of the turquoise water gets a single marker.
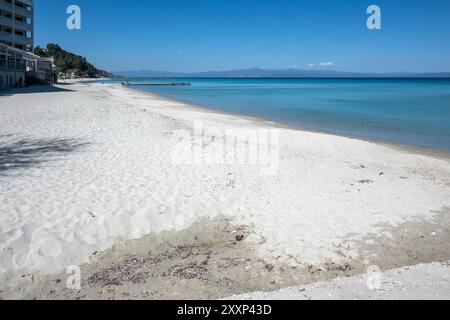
(407, 111)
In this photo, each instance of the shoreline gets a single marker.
(102, 184)
(405, 147)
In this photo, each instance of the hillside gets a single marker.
(68, 63)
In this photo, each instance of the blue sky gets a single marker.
(202, 35)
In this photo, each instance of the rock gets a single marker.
(239, 237)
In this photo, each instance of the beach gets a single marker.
(137, 191)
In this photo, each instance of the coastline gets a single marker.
(326, 213)
(409, 148)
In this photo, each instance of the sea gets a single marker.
(413, 112)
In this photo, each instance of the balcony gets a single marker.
(26, 2)
(4, 21)
(22, 40)
(23, 12)
(23, 26)
(5, 6)
(6, 37)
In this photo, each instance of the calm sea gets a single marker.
(407, 111)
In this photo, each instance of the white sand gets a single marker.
(123, 184)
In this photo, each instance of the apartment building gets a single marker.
(17, 24)
(17, 61)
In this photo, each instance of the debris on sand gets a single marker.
(189, 271)
(125, 272)
(366, 181)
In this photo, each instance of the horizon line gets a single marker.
(281, 69)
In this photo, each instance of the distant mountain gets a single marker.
(149, 74)
(283, 73)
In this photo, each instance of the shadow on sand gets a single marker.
(33, 89)
(25, 153)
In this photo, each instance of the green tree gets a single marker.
(68, 62)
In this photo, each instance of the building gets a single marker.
(17, 24)
(16, 40)
(18, 64)
(12, 67)
(19, 68)
(45, 69)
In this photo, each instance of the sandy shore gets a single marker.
(94, 176)
(420, 282)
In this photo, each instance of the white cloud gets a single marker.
(327, 64)
(311, 65)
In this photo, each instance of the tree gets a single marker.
(68, 62)
(41, 52)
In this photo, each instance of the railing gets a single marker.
(27, 2)
(23, 12)
(6, 36)
(24, 40)
(7, 65)
(24, 26)
(5, 5)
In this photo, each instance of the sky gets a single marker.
(203, 35)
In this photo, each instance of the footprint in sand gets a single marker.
(45, 244)
(51, 249)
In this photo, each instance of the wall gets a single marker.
(11, 79)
